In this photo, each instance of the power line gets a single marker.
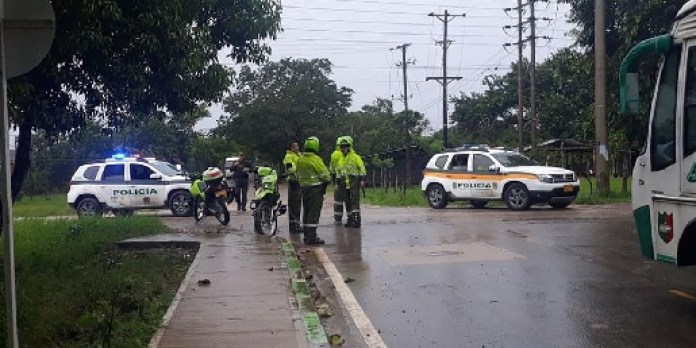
(379, 2)
(400, 33)
(334, 20)
(371, 11)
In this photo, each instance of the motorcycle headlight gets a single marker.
(546, 178)
(266, 185)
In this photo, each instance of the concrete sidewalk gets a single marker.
(248, 302)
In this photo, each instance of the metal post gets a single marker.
(6, 201)
(600, 97)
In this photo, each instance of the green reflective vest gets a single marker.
(335, 157)
(290, 164)
(350, 167)
(311, 170)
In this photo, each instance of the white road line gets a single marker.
(368, 331)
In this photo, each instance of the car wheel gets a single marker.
(479, 204)
(181, 204)
(437, 196)
(559, 205)
(517, 197)
(89, 206)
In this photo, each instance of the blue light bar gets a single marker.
(119, 156)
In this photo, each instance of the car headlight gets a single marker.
(546, 178)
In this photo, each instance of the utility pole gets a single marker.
(520, 68)
(532, 75)
(602, 152)
(444, 79)
(520, 71)
(404, 65)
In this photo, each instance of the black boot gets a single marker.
(314, 241)
(310, 236)
(350, 222)
(295, 229)
(356, 220)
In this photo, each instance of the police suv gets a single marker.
(123, 184)
(480, 175)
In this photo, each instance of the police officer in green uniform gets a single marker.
(339, 193)
(294, 194)
(351, 169)
(313, 177)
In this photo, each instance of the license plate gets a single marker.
(220, 194)
(568, 188)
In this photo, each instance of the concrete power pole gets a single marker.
(602, 138)
(532, 75)
(444, 79)
(404, 65)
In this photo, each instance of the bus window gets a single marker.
(663, 135)
(690, 105)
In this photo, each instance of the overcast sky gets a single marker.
(357, 35)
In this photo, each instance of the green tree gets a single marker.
(282, 102)
(123, 61)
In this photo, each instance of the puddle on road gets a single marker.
(448, 253)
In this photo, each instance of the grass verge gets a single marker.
(41, 206)
(414, 196)
(76, 289)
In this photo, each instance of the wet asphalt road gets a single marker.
(496, 278)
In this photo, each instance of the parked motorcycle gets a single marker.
(214, 187)
(266, 205)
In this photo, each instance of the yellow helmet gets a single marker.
(312, 144)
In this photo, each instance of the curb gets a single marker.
(316, 336)
(154, 342)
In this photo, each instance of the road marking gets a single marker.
(368, 331)
(683, 295)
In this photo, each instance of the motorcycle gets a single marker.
(266, 205)
(215, 187)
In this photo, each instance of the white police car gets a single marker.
(124, 184)
(480, 175)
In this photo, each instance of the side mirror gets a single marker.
(156, 176)
(630, 101)
(494, 168)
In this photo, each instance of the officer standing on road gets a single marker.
(339, 193)
(313, 177)
(294, 194)
(352, 170)
(240, 174)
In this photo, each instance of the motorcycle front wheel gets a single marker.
(265, 219)
(222, 214)
(198, 210)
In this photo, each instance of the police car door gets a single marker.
(145, 190)
(458, 173)
(113, 186)
(485, 182)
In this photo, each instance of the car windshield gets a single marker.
(514, 160)
(166, 168)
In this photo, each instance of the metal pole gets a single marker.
(520, 76)
(600, 97)
(6, 201)
(532, 80)
(445, 120)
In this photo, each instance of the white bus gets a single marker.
(664, 176)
